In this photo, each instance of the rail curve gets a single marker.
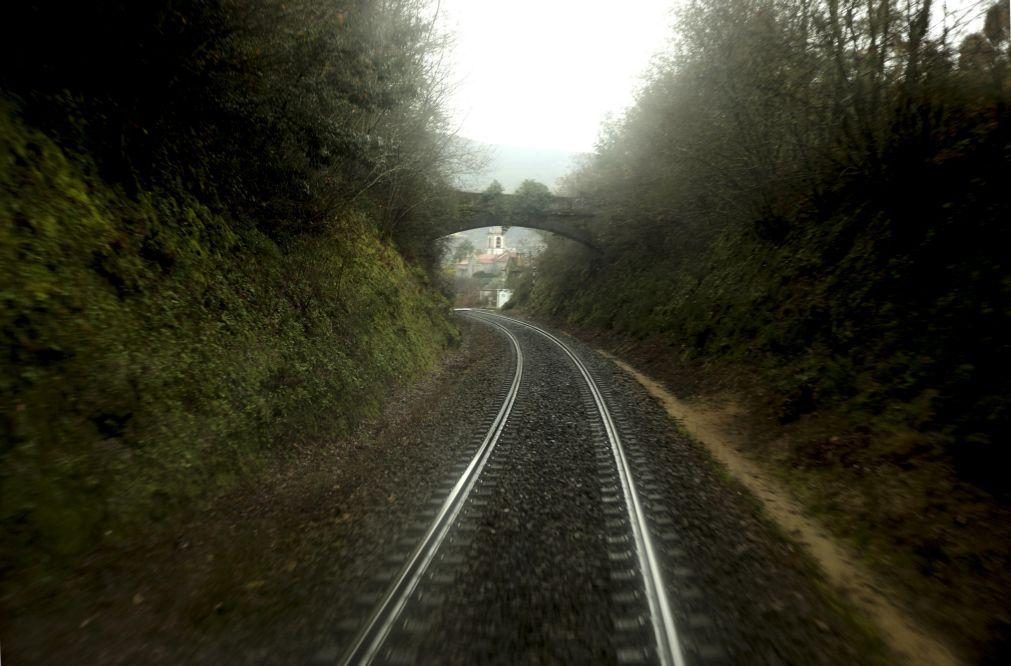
(370, 638)
(668, 645)
(369, 641)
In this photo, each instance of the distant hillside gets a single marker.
(511, 165)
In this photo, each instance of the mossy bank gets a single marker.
(158, 353)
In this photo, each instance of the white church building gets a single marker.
(492, 263)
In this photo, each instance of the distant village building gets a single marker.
(487, 264)
(492, 267)
(496, 241)
(495, 294)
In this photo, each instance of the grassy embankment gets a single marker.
(214, 253)
(157, 353)
(827, 249)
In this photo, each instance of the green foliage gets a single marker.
(493, 190)
(462, 250)
(157, 352)
(215, 246)
(530, 198)
(814, 190)
(492, 203)
(807, 205)
(280, 113)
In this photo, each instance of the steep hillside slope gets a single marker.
(213, 250)
(158, 354)
(822, 238)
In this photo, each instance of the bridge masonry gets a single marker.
(563, 216)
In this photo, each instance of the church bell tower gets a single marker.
(496, 240)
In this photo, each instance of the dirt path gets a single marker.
(713, 426)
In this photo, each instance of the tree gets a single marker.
(283, 112)
(462, 250)
(492, 201)
(531, 198)
(493, 191)
(996, 28)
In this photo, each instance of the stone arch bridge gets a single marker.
(562, 216)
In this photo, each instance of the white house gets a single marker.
(495, 294)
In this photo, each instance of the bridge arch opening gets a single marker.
(488, 266)
(561, 216)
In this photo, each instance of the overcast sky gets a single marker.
(544, 73)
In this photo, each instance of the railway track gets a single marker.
(643, 569)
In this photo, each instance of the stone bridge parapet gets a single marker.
(563, 216)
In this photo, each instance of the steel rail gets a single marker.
(370, 638)
(668, 645)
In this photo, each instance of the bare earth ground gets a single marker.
(715, 426)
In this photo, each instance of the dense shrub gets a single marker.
(156, 353)
(214, 245)
(816, 189)
(279, 113)
(807, 202)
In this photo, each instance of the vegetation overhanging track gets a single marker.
(377, 627)
(661, 615)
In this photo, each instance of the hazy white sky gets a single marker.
(544, 73)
